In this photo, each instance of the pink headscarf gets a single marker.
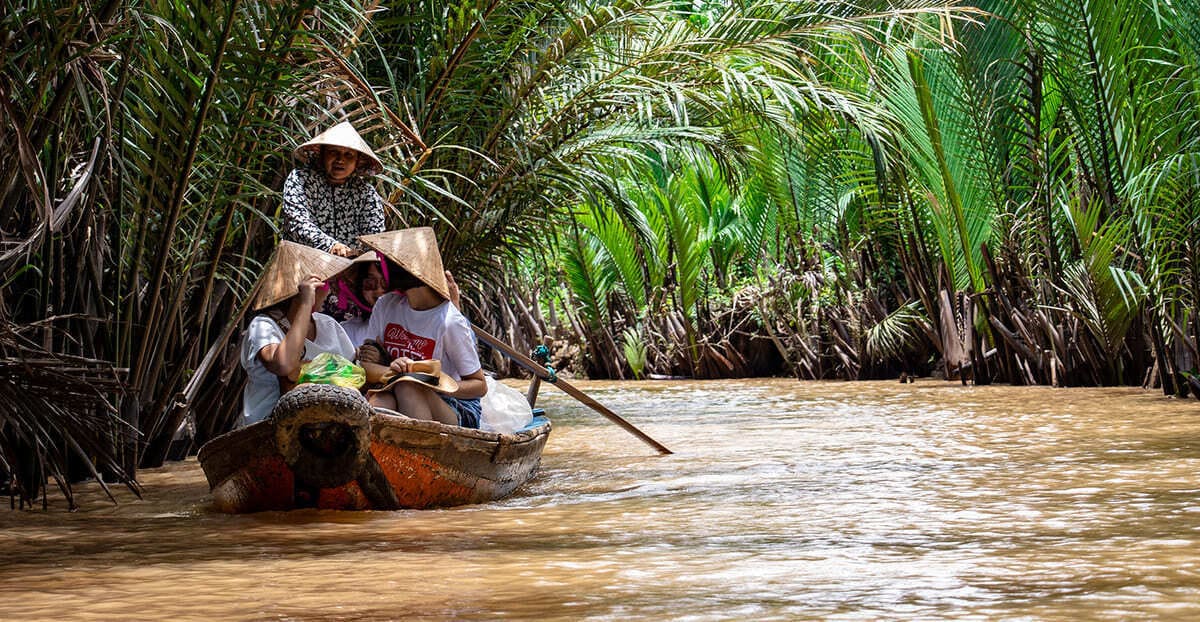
(350, 301)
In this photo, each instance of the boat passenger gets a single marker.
(361, 289)
(357, 328)
(329, 201)
(287, 330)
(417, 322)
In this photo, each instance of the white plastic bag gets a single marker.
(504, 409)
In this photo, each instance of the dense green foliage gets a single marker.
(1016, 200)
(836, 189)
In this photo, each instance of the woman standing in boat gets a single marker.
(288, 330)
(329, 201)
(417, 323)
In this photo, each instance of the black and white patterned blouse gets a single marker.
(317, 213)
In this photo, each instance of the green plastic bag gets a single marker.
(329, 368)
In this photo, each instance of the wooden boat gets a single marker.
(323, 446)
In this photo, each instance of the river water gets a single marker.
(784, 501)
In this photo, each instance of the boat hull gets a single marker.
(406, 464)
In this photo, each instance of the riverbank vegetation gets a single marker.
(1004, 192)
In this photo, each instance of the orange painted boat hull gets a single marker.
(424, 464)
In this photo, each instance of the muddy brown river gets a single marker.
(784, 501)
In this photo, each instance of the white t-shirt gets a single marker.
(262, 386)
(357, 330)
(439, 333)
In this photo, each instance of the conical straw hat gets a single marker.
(289, 265)
(342, 135)
(415, 250)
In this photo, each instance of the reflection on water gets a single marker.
(784, 500)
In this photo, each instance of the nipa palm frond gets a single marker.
(895, 334)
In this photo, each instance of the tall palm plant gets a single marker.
(1127, 93)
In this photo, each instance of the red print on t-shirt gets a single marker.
(399, 342)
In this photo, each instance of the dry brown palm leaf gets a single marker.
(54, 406)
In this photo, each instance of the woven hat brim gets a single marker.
(367, 257)
(415, 250)
(289, 265)
(445, 384)
(342, 135)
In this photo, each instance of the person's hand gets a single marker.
(341, 250)
(308, 290)
(455, 292)
(369, 352)
(295, 375)
(401, 365)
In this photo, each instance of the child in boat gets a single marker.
(362, 288)
(287, 331)
(417, 322)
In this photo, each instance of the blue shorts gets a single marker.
(468, 411)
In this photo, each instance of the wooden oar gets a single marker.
(540, 372)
